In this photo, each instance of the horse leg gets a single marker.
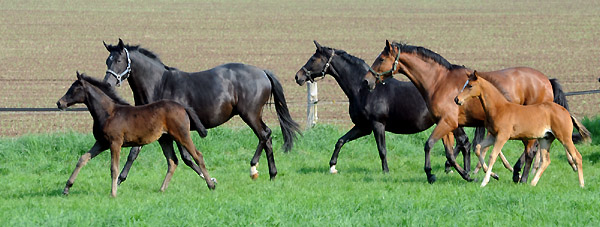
(188, 160)
(544, 148)
(183, 138)
(133, 153)
(528, 155)
(440, 130)
(353, 134)
(115, 152)
(263, 133)
(166, 143)
(462, 145)
(448, 141)
(95, 150)
(485, 144)
(505, 162)
(379, 133)
(576, 157)
(498, 144)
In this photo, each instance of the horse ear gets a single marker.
(105, 45)
(387, 46)
(78, 75)
(473, 76)
(319, 47)
(121, 44)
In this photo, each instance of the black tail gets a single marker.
(195, 122)
(561, 99)
(478, 136)
(559, 94)
(289, 127)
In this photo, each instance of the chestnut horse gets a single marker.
(505, 120)
(439, 82)
(377, 111)
(117, 124)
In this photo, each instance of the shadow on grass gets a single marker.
(593, 157)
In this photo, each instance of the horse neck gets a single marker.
(145, 79)
(99, 104)
(492, 100)
(425, 75)
(348, 76)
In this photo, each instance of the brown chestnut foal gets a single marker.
(505, 120)
(117, 124)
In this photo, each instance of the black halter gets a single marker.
(320, 75)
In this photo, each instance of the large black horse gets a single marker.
(216, 95)
(395, 107)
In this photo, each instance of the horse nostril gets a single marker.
(456, 100)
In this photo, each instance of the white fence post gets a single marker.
(311, 105)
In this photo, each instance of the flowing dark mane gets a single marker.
(143, 51)
(426, 53)
(348, 57)
(106, 88)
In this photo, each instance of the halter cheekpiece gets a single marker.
(125, 74)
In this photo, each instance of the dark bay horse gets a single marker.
(506, 120)
(439, 82)
(395, 106)
(117, 124)
(216, 95)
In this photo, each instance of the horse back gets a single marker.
(522, 85)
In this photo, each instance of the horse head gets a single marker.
(469, 90)
(75, 94)
(118, 64)
(384, 66)
(317, 65)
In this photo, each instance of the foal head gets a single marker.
(471, 89)
(387, 59)
(316, 67)
(75, 94)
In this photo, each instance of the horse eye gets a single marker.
(380, 59)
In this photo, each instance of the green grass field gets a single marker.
(35, 168)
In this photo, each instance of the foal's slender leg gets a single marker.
(185, 140)
(485, 144)
(133, 153)
(576, 156)
(166, 143)
(188, 159)
(379, 134)
(544, 148)
(115, 152)
(353, 134)
(95, 150)
(500, 141)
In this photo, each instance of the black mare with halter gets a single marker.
(216, 95)
(397, 107)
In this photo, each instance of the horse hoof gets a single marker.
(516, 178)
(66, 192)
(431, 179)
(214, 180)
(332, 170)
(120, 180)
(495, 176)
(253, 173)
(254, 176)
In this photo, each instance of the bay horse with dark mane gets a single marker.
(395, 106)
(216, 95)
(117, 124)
(439, 82)
(506, 120)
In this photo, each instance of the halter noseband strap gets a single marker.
(391, 71)
(320, 75)
(125, 74)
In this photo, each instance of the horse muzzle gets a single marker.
(62, 105)
(300, 78)
(457, 101)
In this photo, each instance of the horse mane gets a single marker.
(143, 51)
(426, 53)
(352, 59)
(106, 88)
